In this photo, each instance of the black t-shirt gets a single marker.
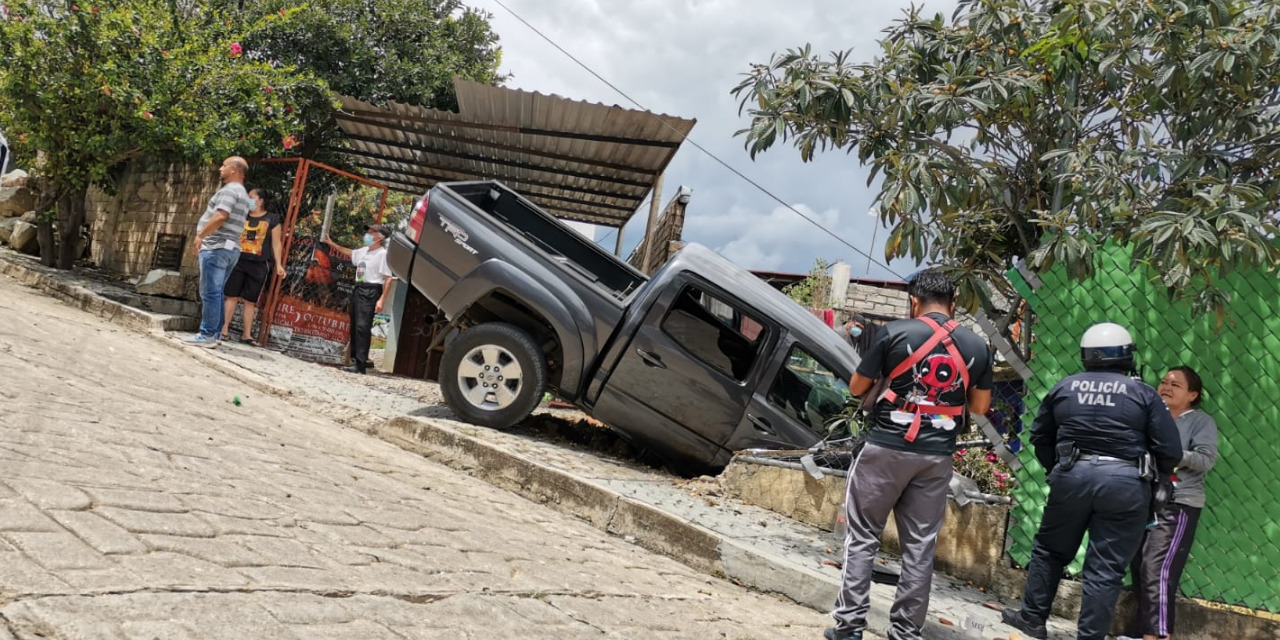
(933, 380)
(1106, 413)
(255, 242)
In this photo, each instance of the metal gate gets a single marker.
(306, 313)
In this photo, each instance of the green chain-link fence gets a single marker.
(1236, 559)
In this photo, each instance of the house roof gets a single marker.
(578, 160)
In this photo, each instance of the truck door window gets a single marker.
(808, 391)
(709, 329)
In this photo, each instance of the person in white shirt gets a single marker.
(373, 283)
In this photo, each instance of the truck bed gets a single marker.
(563, 245)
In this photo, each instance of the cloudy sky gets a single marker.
(682, 57)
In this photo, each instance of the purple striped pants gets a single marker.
(1158, 568)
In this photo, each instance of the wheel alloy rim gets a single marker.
(490, 377)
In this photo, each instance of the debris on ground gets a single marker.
(581, 431)
(701, 486)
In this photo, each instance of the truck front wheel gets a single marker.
(493, 375)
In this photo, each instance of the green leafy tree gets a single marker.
(378, 51)
(1044, 129)
(358, 205)
(815, 290)
(95, 86)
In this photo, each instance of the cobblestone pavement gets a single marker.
(138, 501)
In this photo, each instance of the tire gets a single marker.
(476, 375)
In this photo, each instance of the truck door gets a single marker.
(794, 405)
(684, 381)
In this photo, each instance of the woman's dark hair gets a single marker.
(932, 286)
(1193, 382)
(266, 197)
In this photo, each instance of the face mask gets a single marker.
(368, 239)
(855, 331)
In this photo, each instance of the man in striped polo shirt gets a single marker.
(218, 246)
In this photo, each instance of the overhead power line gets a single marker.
(693, 142)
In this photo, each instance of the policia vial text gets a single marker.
(1093, 392)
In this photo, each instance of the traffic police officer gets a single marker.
(1094, 432)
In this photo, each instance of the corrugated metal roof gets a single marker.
(578, 160)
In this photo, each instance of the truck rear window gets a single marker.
(714, 332)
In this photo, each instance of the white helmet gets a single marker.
(1106, 345)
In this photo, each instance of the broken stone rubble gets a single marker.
(162, 282)
(24, 238)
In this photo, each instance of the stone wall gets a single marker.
(970, 545)
(876, 300)
(152, 198)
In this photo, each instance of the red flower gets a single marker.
(164, 52)
(289, 142)
(93, 10)
(75, 7)
(106, 90)
(282, 12)
(288, 108)
(236, 50)
(268, 88)
(147, 115)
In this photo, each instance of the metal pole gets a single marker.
(873, 246)
(328, 215)
(651, 228)
(268, 314)
(382, 206)
(617, 245)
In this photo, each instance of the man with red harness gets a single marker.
(932, 372)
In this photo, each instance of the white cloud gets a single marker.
(682, 57)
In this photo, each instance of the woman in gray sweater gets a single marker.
(1159, 564)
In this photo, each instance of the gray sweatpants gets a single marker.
(914, 487)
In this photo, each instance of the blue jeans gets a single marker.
(215, 269)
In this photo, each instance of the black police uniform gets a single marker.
(1113, 420)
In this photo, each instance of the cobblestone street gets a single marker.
(139, 501)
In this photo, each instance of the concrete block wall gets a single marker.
(891, 302)
(152, 198)
(868, 299)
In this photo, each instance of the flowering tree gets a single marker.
(94, 86)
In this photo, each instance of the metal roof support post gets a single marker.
(617, 245)
(651, 228)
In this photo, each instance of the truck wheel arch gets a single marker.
(493, 281)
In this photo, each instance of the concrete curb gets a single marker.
(91, 302)
(603, 508)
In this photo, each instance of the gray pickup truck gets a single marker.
(700, 360)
